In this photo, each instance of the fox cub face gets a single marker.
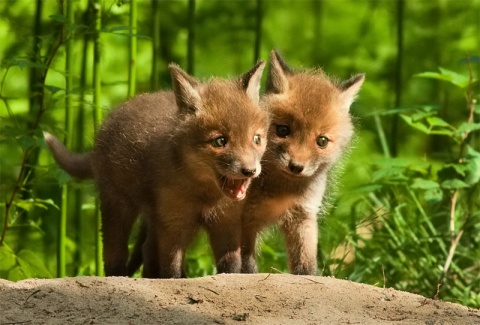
(310, 120)
(228, 131)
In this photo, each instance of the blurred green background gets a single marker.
(403, 207)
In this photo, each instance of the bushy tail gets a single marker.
(77, 165)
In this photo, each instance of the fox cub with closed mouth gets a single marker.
(180, 159)
(310, 129)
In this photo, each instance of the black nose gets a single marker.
(248, 172)
(294, 168)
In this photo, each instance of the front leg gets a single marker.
(224, 233)
(250, 230)
(301, 237)
(164, 250)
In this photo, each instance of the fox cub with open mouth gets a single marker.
(180, 159)
(310, 128)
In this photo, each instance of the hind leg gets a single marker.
(164, 252)
(118, 216)
(171, 228)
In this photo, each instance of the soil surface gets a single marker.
(220, 299)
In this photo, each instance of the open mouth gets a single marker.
(235, 189)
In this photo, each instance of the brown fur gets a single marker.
(294, 176)
(156, 156)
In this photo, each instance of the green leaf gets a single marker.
(59, 18)
(454, 184)
(424, 184)
(27, 142)
(23, 63)
(433, 195)
(457, 79)
(17, 273)
(417, 125)
(451, 171)
(32, 264)
(452, 77)
(472, 165)
(53, 89)
(420, 115)
(29, 204)
(437, 121)
(369, 188)
(476, 108)
(467, 127)
(445, 128)
(7, 258)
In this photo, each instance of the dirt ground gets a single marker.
(220, 299)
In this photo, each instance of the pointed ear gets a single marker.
(277, 81)
(185, 88)
(350, 89)
(251, 81)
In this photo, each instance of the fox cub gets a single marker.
(310, 128)
(180, 159)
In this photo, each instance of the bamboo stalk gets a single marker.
(191, 38)
(155, 77)
(37, 108)
(80, 128)
(258, 31)
(96, 121)
(62, 227)
(132, 49)
(398, 76)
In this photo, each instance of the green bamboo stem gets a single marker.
(400, 4)
(132, 49)
(258, 31)
(96, 121)
(62, 227)
(97, 115)
(191, 38)
(155, 77)
(79, 135)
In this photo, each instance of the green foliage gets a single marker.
(418, 219)
(414, 215)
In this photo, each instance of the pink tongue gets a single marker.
(236, 188)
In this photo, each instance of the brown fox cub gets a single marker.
(177, 158)
(310, 128)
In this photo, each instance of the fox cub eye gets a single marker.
(219, 142)
(257, 139)
(283, 131)
(322, 141)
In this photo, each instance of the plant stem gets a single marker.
(398, 75)
(258, 31)
(96, 121)
(62, 227)
(191, 38)
(155, 77)
(132, 64)
(455, 237)
(37, 108)
(381, 136)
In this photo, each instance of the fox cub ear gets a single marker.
(251, 81)
(185, 88)
(277, 81)
(350, 89)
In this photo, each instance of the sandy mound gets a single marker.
(221, 299)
